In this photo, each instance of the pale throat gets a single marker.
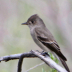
(32, 27)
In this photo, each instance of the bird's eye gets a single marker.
(32, 21)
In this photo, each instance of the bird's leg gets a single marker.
(44, 53)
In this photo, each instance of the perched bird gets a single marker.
(43, 38)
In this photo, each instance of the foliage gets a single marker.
(53, 58)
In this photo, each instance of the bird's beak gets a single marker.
(24, 23)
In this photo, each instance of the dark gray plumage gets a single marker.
(43, 37)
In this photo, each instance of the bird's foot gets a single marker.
(44, 53)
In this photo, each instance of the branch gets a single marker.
(49, 61)
(16, 56)
(33, 54)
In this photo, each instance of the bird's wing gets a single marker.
(44, 38)
(49, 43)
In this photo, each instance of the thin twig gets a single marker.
(35, 66)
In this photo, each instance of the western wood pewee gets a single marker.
(43, 38)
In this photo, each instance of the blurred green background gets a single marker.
(15, 38)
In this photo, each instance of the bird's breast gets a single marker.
(34, 36)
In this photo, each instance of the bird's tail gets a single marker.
(64, 64)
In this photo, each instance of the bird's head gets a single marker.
(33, 21)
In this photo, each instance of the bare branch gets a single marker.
(16, 56)
(33, 54)
(49, 61)
(20, 62)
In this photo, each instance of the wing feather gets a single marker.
(49, 43)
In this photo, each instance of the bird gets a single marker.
(44, 38)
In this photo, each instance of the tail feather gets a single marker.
(64, 64)
(61, 55)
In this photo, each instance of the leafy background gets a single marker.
(15, 38)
